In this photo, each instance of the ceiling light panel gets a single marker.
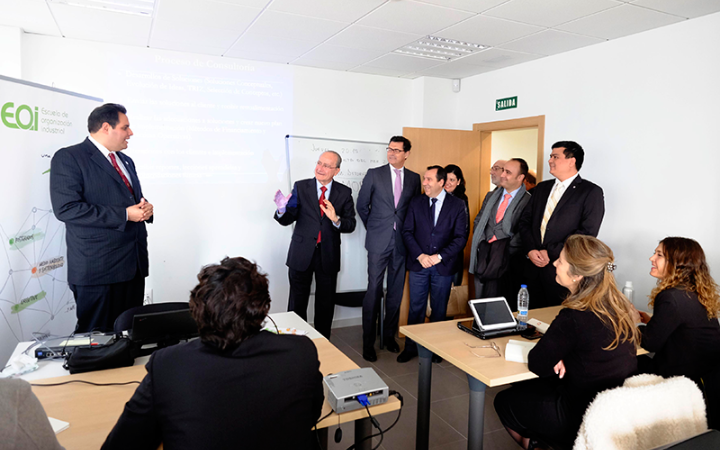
(439, 48)
(137, 7)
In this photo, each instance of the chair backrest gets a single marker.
(125, 320)
(646, 412)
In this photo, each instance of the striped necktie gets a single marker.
(550, 207)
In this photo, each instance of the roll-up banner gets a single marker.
(35, 121)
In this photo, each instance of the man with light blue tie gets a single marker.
(434, 231)
(382, 204)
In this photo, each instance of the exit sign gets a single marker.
(505, 103)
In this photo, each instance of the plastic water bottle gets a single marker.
(628, 291)
(523, 305)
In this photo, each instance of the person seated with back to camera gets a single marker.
(684, 331)
(236, 386)
(589, 347)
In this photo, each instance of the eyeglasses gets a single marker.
(327, 166)
(395, 150)
(492, 345)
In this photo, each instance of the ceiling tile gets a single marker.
(411, 17)
(550, 42)
(292, 26)
(549, 13)
(358, 36)
(32, 16)
(206, 23)
(250, 3)
(497, 57)
(309, 62)
(455, 69)
(684, 8)
(476, 6)
(98, 25)
(338, 54)
(379, 71)
(403, 63)
(618, 22)
(291, 48)
(488, 31)
(347, 11)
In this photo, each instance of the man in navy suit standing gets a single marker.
(321, 209)
(95, 191)
(435, 229)
(558, 209)
(382, 204)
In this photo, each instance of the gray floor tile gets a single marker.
(457, 445)
(402, 436)
(499, 440)
(444, 384)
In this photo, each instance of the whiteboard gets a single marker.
(357, 157)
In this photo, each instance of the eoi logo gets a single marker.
(21, 117)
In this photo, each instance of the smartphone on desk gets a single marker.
(531, 333)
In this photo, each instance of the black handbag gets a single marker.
(120, 353)
(492, 259)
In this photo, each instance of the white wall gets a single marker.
(646, 109)
(11, 61)
(200, 224)
(510, 144)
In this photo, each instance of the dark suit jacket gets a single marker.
(579, 211)
(304, 209)
(266, 393)
(376, 205)
(88, 195)
(447, 237)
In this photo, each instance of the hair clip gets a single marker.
(611, 267)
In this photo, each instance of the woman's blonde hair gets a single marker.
(686, 268)
(597, 291)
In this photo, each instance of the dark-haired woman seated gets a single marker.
(684, 331)
(236, 386)
(589, 347)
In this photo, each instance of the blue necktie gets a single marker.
(432, 210)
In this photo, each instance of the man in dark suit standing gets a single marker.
(322, 209)
(558, 209)
(496, 248)
(95, 191)
(382, 204)
(434, 231)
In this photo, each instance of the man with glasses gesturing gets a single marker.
(322, 209)
(382, 204)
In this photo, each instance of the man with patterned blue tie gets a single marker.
(95, 191)
(435, 229)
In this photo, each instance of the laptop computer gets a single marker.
(492, 318)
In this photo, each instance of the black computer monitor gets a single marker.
(163, 328)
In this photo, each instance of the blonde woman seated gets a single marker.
(589, 347)
(684, 331)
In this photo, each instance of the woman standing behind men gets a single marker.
(684, 331)
(455, 185)
(589, 347)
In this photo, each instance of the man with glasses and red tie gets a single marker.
(382, 204)
(321, 209)
(95, 191)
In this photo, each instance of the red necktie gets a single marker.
(500, 214)
(321, 201)
(122, 175)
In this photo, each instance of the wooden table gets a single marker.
(447, 341)
(93, 410)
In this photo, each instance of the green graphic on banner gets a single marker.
(28, 301)
(28, 237)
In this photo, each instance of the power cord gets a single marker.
(362, 399)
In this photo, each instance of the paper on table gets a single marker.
(540, 326)
(58, 425)
(517, 351)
